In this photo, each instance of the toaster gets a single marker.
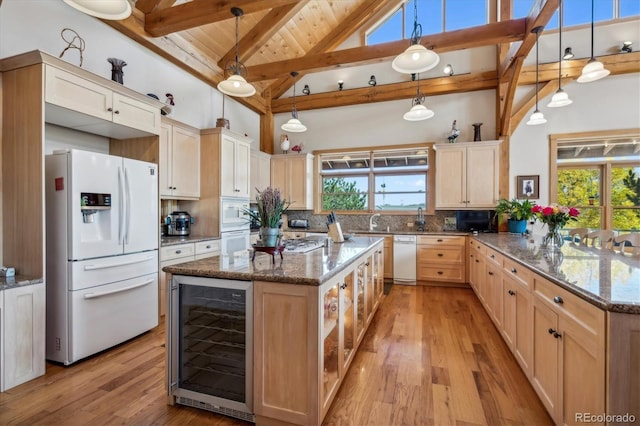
(298, 223)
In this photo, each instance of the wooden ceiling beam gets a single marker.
(389, 92)
(201, 12)
(507, 104)
(263, 31)
(548, 88)
(147, 6)
(484, 35)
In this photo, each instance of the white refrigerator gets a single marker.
(102, 252)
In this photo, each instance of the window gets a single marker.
(601, 177)
(578, 12)
(435, 16)
(392, 180)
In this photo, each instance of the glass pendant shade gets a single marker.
(294, 125)
(536, 118)
(103, 9)
(418, 113)
(415, 59)
(560, 99)
(594, 70)
(237, 86)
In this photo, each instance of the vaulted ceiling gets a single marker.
(280, 36)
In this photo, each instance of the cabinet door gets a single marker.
(185, 153)
(279, 176)
(24, 334)
(259, 172)
(135, 114)
(545, 374)
(523, 343)
(451, 178)
(297, 176)
(388, 257)
(482, 176)
(242, 169)
(165, 168)
(227, 166)
(330, 340)
(347, 318)
(494, 292)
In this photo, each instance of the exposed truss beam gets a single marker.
(147, 6)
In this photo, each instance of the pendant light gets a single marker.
(103, 9)
(294, 125)
(235, 84)
(560, 98)
(537, 117)
(416, 58)
(418, 111)
(594, 70)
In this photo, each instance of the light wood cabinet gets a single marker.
(493, 286)
(260, 172)
(517, 282)
(388, 257)
(441, 259)
(22, 332)
(235, 163)
(476, 268)
(293, 175)
(179, 165)
(467, 175)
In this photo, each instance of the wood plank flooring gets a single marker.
(431, 356)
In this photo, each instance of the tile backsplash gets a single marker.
(399, 223)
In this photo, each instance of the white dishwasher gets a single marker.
(404, 259)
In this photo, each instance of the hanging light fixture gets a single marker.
(594, 70)
(235, 84)
(418, 111)
(537, 117)
(560, 98)
(294, 125)
(103, 9)
(416, 58)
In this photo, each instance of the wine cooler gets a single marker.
(210, 350)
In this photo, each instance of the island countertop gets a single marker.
(311, 268)
(602, 277)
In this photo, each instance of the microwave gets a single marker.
(233, 214)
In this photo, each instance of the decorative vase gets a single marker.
(476, 132)
(517, 226)
(269, 236)
(116, 69)
(553, 240)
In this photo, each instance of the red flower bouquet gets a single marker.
(555, 217)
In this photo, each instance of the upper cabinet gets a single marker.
(467, 175)
(179, 164)
(293, 175)
(235, 161)
(260, 172)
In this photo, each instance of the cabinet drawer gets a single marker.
(586, 314)
(448, 240)
(211, 247)
(477, 245)
(434, 272)
(518, 272)
(494, 257)
(176, 251)
(443, 254)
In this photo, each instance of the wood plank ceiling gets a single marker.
(280, 36)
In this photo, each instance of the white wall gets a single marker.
(27, 25)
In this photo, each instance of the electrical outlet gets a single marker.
(410, 224)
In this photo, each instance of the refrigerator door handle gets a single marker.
(127, 207)
(120, 210)
(120, 290)
(115, 265)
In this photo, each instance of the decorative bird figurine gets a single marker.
(298, 148)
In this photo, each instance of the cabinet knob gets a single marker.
(208, 245)
(110, 109)
(178, 251)
(440, 272)
(366, 264)
(440, 240)
(490, 273)
(511, 293)
(558, 300)
(116, 112)
(440, 254)
(477, 261)
(343, 286)
(551, 331)
(470, 255)
(557, 335)
(492, 256)
(514, 270)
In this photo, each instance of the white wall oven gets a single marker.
(210, 354)
(235, 235)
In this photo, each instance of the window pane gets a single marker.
(579, 187)
(464, 14)
(400, 192)
(390, 30)
(345, 193)
(429, 17)
(346, 162)
(590, 217)
(578, 12)
(629, 8)
(521, 8)
(625, 191)
(405, 160)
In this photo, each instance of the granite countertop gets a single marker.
(603, 277)
(17, 281)
(377, 232)
(311, 268)
(172, 241)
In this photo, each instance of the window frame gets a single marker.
(605, 167)
(371, 193)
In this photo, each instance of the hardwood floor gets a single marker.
(431, 356)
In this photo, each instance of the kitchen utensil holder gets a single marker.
(335, 233)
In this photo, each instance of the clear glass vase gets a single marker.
(553, 240)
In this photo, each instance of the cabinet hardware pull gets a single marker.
(558, 299)
(110, 109)
(440, 255)
(343, 286)
(470, 255)
(511, 293)
(178, 251)
(490, 273)
(514, 270)
(366, 264)
(440, 272)
(440, 240)
(116, 112)
(492, 256)
(477, 261)
(551, 331)
(557, 335)
(208, 246)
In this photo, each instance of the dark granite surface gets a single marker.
(377, 232)
(17, 281)
(603, 277)
(311, 268)
(172, 241)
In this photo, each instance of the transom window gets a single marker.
(389, 180)
(578, 12)
(601, 177)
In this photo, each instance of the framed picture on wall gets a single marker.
(528, 186)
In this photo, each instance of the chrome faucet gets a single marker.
(372, 224)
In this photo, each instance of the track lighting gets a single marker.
(306, 90)
(340, 84)
(448, 70)
(626, 47)
(568, 54)
(372, 81)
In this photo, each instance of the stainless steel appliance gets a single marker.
(178, 224)
(210, 353)
(303, 245)
(298, 223)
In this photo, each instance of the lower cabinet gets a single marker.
(306, 338)
(441, 259)
(388, 257)
(22, 333)
(493, 286)
(517, 309)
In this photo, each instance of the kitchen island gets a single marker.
(571, 319)
(310, 313)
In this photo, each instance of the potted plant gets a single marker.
(518, 213)
(270, 207)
